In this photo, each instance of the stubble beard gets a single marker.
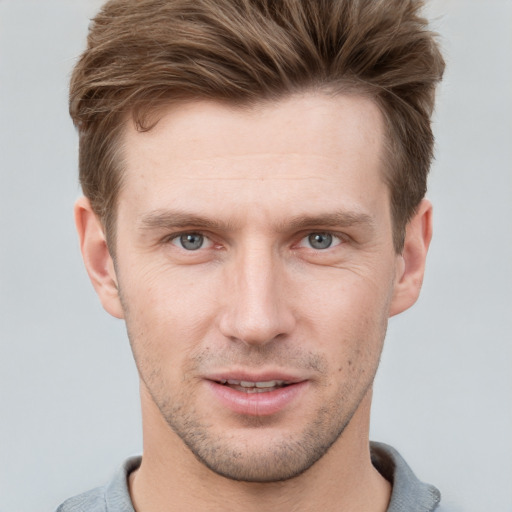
(284, 457)
(281, 459)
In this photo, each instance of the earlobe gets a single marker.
(410, 276)
(96, 256)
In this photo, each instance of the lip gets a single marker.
(255, 377)
(256, 404)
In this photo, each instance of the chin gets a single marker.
(260, 454)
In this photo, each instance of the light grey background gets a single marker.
(68, 387)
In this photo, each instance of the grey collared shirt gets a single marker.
(408, 495)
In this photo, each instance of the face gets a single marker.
(256, 270)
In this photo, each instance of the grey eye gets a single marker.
(320, 240)
(191, 241)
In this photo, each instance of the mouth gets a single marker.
(261, 395)
(254, 387)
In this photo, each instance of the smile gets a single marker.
(254, 387)
(259, 397)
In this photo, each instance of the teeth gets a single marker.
(248, 384)
(256, 390)
(269, 384)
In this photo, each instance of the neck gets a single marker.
(171, 478)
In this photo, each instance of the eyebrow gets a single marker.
(341, 219)
(177, 219)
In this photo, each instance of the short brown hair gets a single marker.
(141, 53)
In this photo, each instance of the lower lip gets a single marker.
(257, 404)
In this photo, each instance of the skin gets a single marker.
(257, 298)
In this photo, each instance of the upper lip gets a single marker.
(285, 377)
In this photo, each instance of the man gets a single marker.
(254, 176)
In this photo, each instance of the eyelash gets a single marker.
(334, 238)
(176, 237)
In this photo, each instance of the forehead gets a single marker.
(302, 144)
(325, 122)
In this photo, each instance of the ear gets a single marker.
(97, 259)
(412, 260)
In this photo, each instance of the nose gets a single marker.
(257, 307)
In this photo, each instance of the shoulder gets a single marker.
(409, 494)
(113, 497)
(92, 501)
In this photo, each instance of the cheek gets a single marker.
(347, 321)
(166, 293)
(345, 300)
(167, 314)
